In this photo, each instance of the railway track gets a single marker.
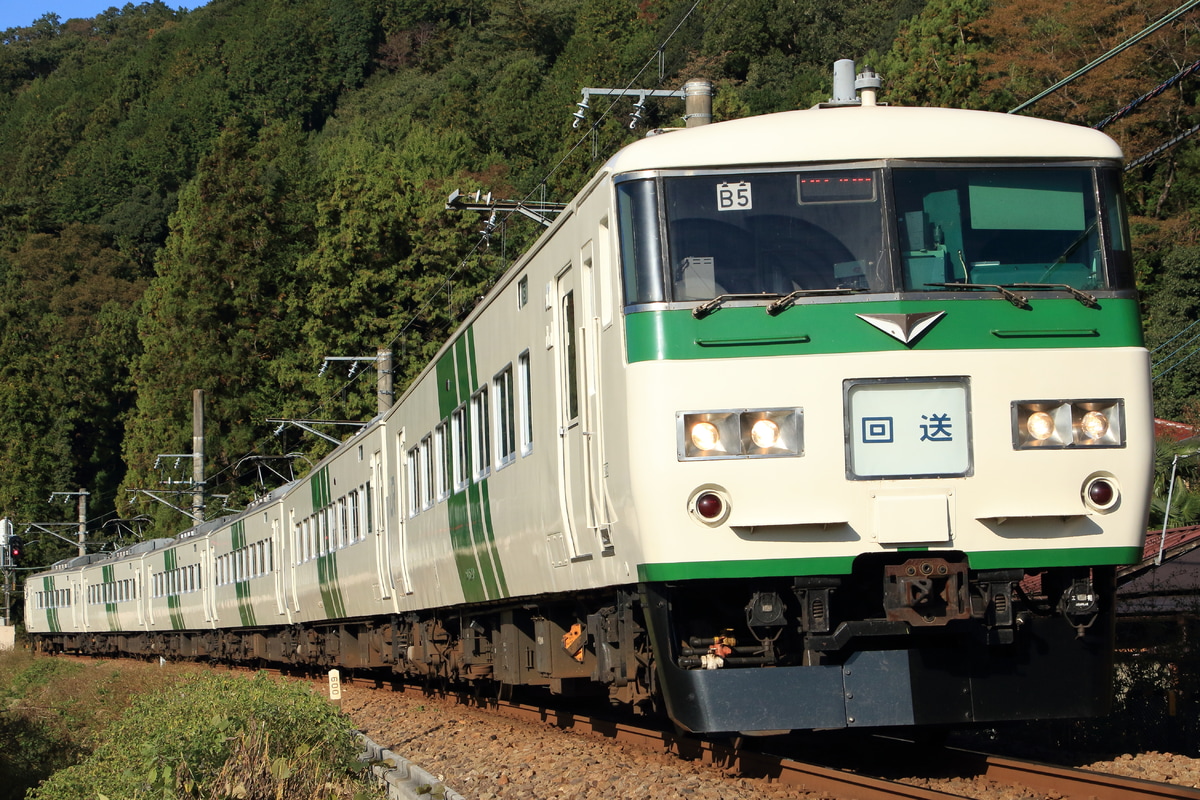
(846, 782)
(896, 768)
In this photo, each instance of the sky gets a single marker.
(17, 13)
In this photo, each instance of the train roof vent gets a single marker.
(147, 546)
(90, 558)
(847, 85)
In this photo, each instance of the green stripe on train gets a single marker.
(842, 565)
(51, 611)
(834, 328)
(331, 588)
(328, 581)
(319, 484)
(241, 588)
(468, 511)
(170, 564)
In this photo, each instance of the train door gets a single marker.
(599, 518)
(77, 602)
(139, 591)
(208, 582)
(275, 564)
(377, 527)
(85, 591)
(383, 550)
(576, 371)
(293, 557)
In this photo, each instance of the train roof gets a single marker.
(858, 133)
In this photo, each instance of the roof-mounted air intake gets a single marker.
(847, 85)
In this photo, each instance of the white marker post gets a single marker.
(335, 686)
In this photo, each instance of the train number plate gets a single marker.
(911, 428)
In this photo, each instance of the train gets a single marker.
(829, 418)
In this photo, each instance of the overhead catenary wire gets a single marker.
(1178, 363)
(1176, 351)
(1176, 336)
(656, 59)
(1166, 20)
(1162, 148)
(1150, 95)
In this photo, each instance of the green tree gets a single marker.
(68, 324)
(213, 317)
(1173, 307)
(935, 59)
(1176, 469)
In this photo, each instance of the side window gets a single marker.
(426, 480)
(369, 507)
(444, 468)
(525, 380)
(506, 413)
(414, 481)
(458, 430)
(339, 524)
(354, 514)
(571, 390)
(481, 449)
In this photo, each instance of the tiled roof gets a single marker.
(1175, 431)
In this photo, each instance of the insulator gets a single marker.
(636, 116)
(580, 113)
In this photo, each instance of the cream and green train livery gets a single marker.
(835, 417)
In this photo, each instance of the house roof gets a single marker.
(1175, 431)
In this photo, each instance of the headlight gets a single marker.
(1093, 425)
(1099, 423)
(764, 433)
(1040, 425)
(1068, 423)
(740, 433)
(705, 436)
(709, 435)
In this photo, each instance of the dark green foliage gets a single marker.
(1176, 473)
(219, 199)
(53, 711)
(1176, 306)
(211, 733)
(214, 318)
(935, 58)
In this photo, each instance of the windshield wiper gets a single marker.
(707, 307)
(1012, 297)
(1088, 300)
(1071, 248)
(779, 305)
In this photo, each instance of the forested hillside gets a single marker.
(219, 199)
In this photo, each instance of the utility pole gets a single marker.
(383, 384)
(82, 518)
(696, 97)
(198, 454)
(196, 487)
(6, 529)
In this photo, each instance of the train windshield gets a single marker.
(775, 232)
(1010, 226)
(916, 228)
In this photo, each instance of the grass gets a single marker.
(77, 728)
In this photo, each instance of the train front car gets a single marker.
(890, 428)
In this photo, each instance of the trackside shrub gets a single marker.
(52, 711)
(220, 736)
